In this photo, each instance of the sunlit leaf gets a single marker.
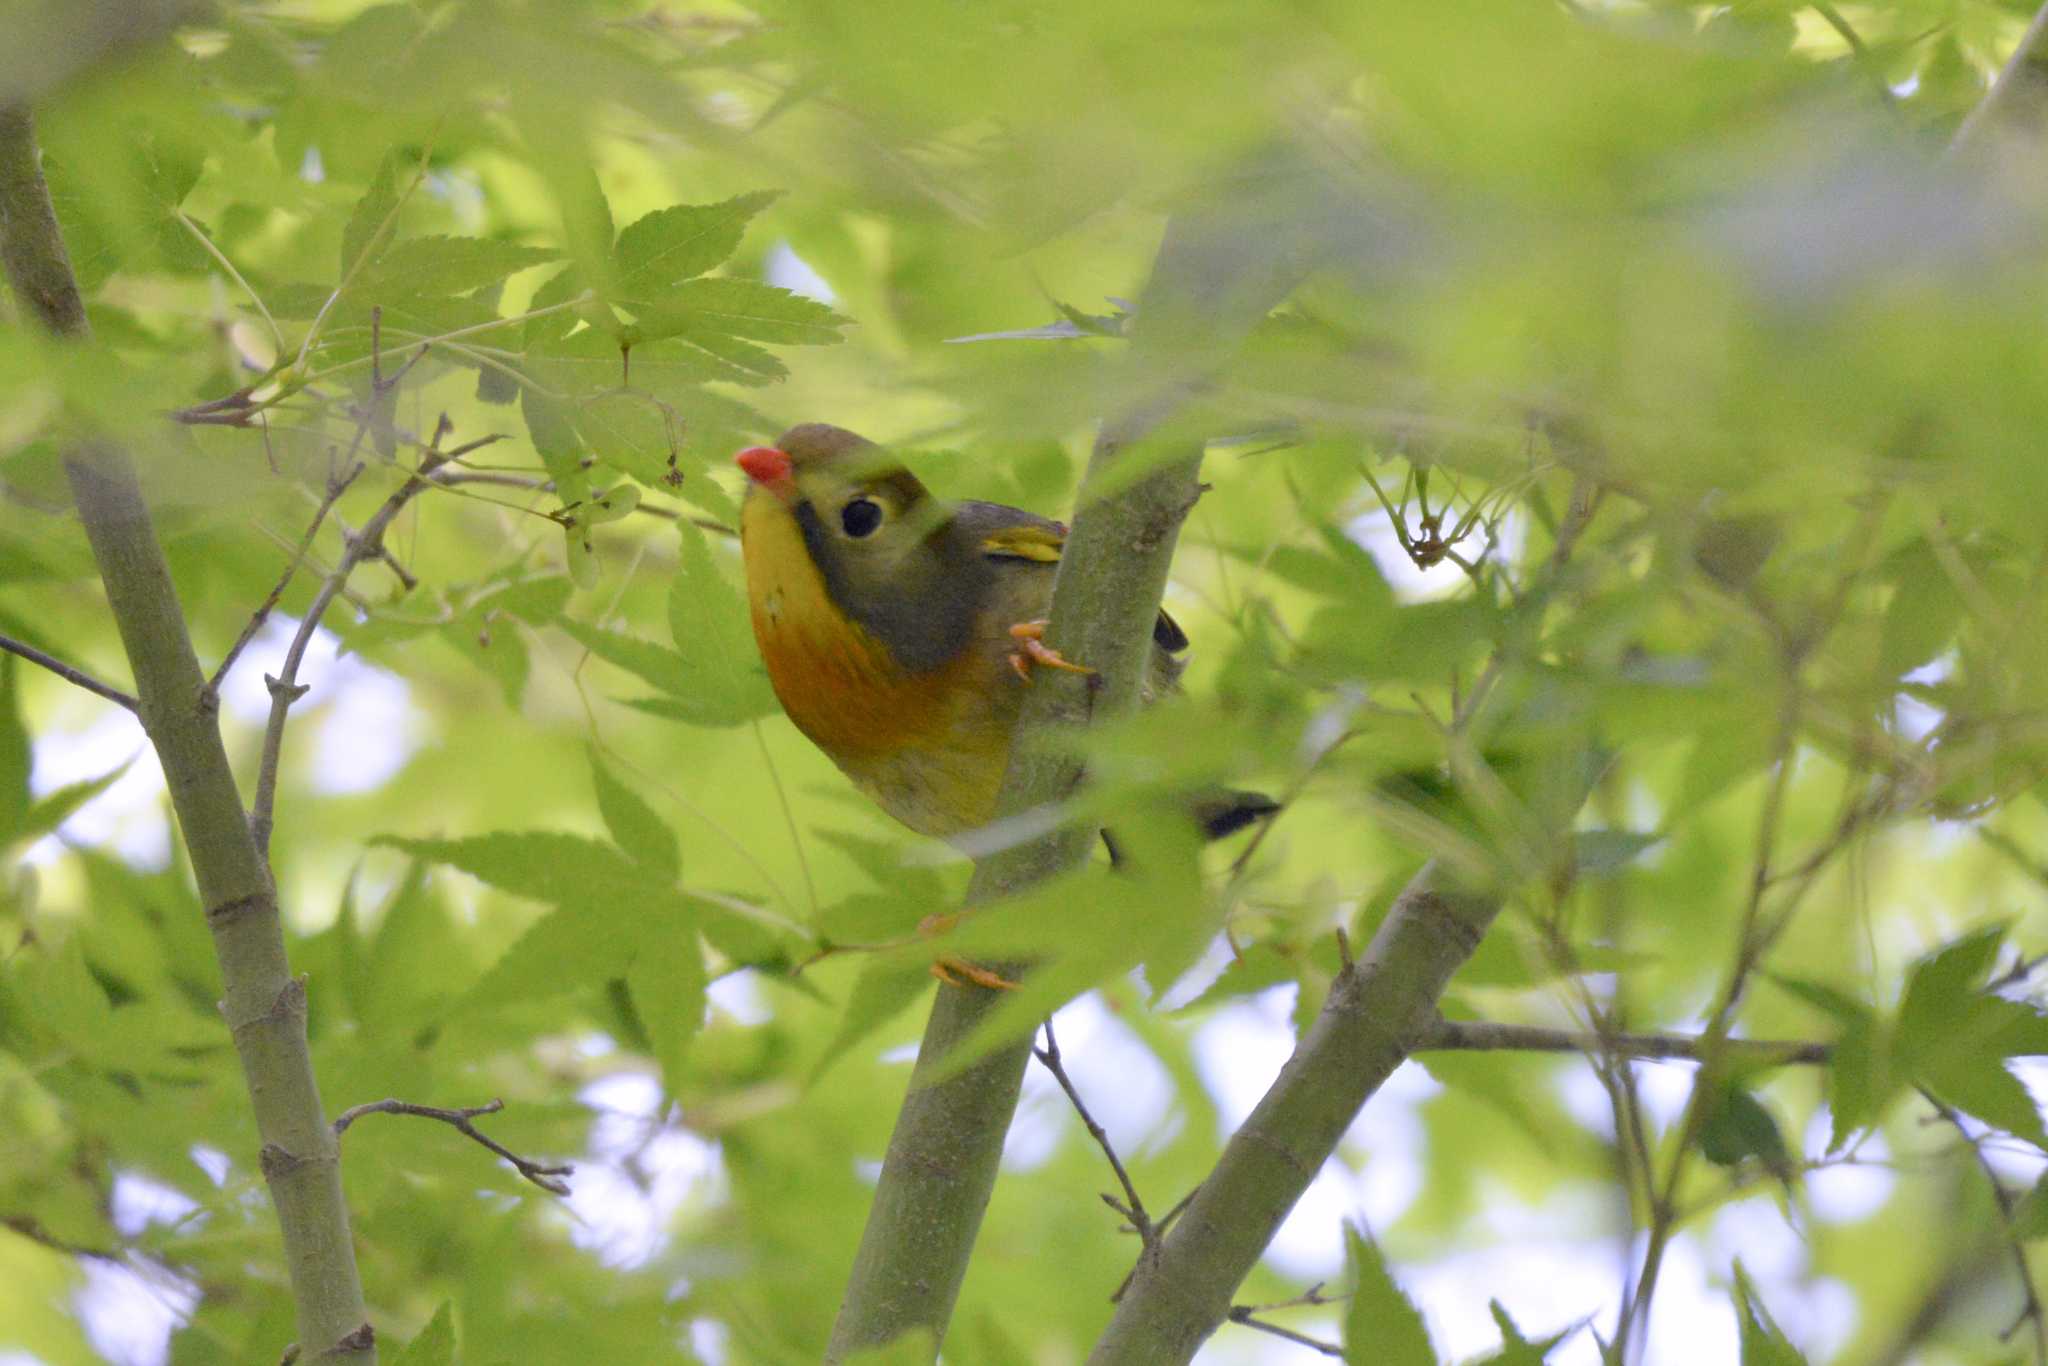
(1380, 1321)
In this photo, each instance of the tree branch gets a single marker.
(1222, 266)
(1375, 1011)
(1480, 1036)
(285, 688)
(2018, 99)
(1132, 1206)
(547, 1177)
(67, 673)
(1378, 1010)
(265, 1007)
(2030, 1303)
(335, 488)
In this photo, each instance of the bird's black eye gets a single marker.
(860, 517)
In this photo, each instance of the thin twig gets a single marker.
(547, 1177)
(335, 488)
(1479, 1036)
(1243, 1314)
(1132, 1208)
(69, 674)
(2030, 1303)
(506, 479)
(225, 264)
(285, 688)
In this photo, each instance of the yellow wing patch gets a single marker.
(1026, 541)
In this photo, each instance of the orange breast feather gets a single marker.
(838, 683)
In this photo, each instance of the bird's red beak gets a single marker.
(770, 468)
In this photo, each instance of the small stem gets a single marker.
(1479, 1036)
(547, 1177)
(1243, 1314)
(335, 488)
(67, 673)
(285, 688)
(225, 264)
(1133, 1207)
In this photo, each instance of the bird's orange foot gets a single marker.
(1032, 650)
(958, 972)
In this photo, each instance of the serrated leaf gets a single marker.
(444, 266)
(371, 221)
(53, 810)
(435, 1345)
(595, 361)
(1940, 986)
(685, 240)
(635, 433)
(561, 952)
(763, 364)
(543, 865)
(667, 981)
(551, 425)
(710, 628)
(662, 667)
(634, 825)
(721, 306)
(1763, 1342)
(1381, 1325)
(1515, 1349)
(1978, 1083)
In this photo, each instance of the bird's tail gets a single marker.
(1227, 812)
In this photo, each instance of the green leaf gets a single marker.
(52, 811)
(1978, 1083)
(659, 665)
(1860, 1075)
(884, 990)
(634, 825)
(1941, 986)
(721, 306)
(444, 265)
(673, 244)
(540, 864)
(565, 950)
(712, 634)
(370, 224)
(1763, 1342)
(14, 751)
(633, 432)
(1737, 1127)
(1515, 1349)
(595, 361)
(667, 981)
(2030, 1215)
(1381, 1324)
(1924, 611)
(1603, 851)
(551, 425)
(435, 1345)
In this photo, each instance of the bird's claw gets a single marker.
(958, 972)
(1032, 650)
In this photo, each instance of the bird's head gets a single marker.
(881, 545)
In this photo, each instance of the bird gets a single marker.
(900, 631)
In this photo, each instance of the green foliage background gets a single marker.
(1710, 262)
